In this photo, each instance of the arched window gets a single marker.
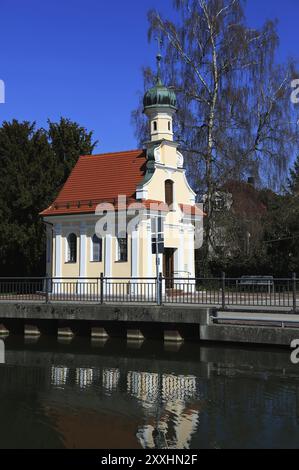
(122, 249)
(72, 248)
(96, 249)
(169, 192)
(155, 125)
(169, 126)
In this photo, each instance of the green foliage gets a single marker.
(293, 181)
(276, 249)
(34, 165)
(68, 141)
(282, 234)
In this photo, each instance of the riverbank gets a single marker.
(136, 322)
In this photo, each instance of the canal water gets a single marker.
(114, 394)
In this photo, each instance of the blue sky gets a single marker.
(82, 59)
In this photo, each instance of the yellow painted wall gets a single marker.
(94, 269)
(69, 269)
(156, 187)
(121, 269)
(183, 194)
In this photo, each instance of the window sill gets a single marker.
(96, 262)
(121, 262)
(70, 262)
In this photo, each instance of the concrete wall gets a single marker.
(192, 322)
(249, 334)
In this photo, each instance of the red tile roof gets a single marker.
(98, 179)
(246, 198)
(192, 210)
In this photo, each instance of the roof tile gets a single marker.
(97, 178)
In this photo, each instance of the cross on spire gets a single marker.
(160, 42)
(159, 58)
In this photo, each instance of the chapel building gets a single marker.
(153, 178)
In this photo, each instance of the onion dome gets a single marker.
(160, 95)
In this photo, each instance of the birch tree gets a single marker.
(235, 116)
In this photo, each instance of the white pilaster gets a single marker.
(83, 251)
(135, 261)
(82, 289)
(191, 258)
(191, 251)
(181, 267)
(149, 250)
(134, 257)
(58, 250)
(57, 265)
(108, 255)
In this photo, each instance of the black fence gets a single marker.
(223, 292)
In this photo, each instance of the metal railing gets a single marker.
(222, 292)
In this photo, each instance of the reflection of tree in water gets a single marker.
(261, 396)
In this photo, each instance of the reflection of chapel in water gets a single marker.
(164, 398)
(155, 409)
(168, 402)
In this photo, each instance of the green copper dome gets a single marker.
(159, 95)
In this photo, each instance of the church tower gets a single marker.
(160, 105)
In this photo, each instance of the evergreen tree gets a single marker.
(293, 181)
(34, 165)
(28, 174)
(68, 141)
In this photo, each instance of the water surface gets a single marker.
(116, 394)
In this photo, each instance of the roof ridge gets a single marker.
(124, 152)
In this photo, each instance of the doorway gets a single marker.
(168, 267)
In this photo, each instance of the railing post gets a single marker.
(159, 289)
(223, 290)
(47, 290)
(102, 288)
(294, 292)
